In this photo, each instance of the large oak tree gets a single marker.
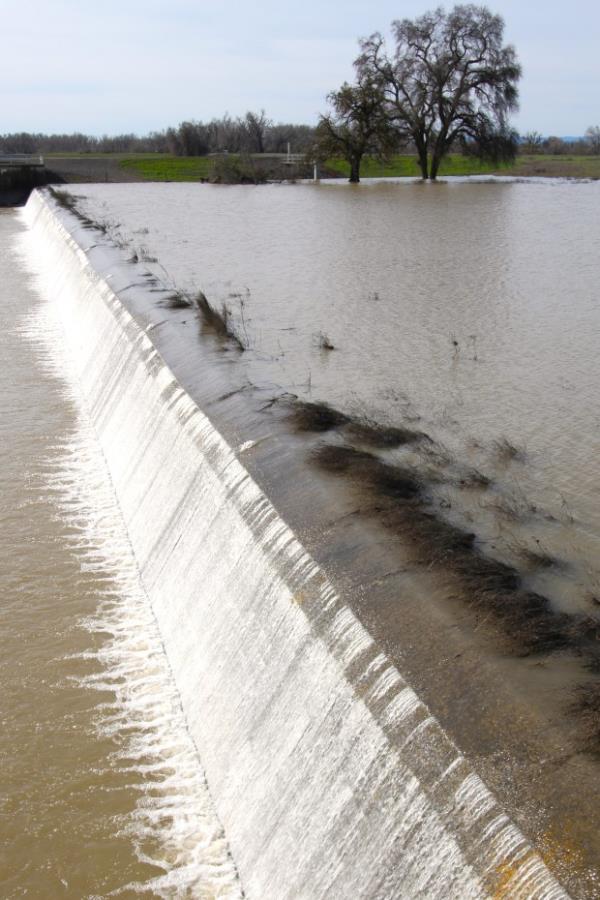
(449, 81)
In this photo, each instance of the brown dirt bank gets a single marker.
(554, 167)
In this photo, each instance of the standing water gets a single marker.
(102, 790)
(469, 308)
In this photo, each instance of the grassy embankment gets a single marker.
(407, 166)
(168, 168)
(155, 167)
(548, 166)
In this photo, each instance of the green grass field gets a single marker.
(169, 168)
(407, 166)
(540, 165)
(192, 168)
(157, 167)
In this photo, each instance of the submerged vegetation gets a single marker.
(385, 480)
(319, 417)
(539, 558)
(489, 585)
(506, 451)
(178, 300)
(399, 498)
(69, 202)
(586, 706)
(219, 321)
(323, 342)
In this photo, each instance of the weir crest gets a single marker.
(329, 775)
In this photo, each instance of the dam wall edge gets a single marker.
(330, 776)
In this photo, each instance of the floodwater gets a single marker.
(468, 310)
(465, 310)
(102, 792)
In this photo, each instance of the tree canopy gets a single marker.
(592, 136)
(449, 80)
(357, 125)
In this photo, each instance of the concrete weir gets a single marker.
(331, 778)
(19, 175)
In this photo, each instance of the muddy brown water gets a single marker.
(89, 760)
(467, 311)
(59, 795)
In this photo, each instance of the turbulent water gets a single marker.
(102, 790)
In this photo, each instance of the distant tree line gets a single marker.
(534, 142)
(251, 133)
(27, 142)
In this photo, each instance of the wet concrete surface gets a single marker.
(511, 715)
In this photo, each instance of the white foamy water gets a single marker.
(169, 820)
(173, 825)
(330, 776)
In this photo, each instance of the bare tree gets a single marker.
(254, 127)
(532, 142)
(300, 137)
(555, 146)
(449, 81)
(193, 139)
(357, 125)
(592, 137)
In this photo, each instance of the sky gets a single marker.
(107, 67)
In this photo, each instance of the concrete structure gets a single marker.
(19, 174)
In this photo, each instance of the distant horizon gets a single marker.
(567, 138)
(130, 67)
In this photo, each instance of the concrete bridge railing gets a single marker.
(21, 160)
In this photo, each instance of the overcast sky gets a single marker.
(125, 65)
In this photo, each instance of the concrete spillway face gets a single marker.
(329, 775)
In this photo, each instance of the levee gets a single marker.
(329, 775)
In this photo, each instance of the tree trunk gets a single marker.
(439, 151)
(354, 169)
(423, 161)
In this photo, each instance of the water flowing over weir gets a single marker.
(329, 775)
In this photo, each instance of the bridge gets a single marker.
(20, 161)
(19, 174)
